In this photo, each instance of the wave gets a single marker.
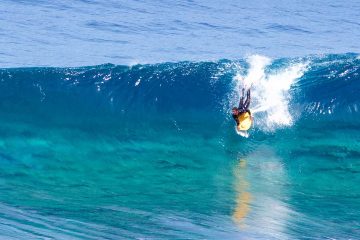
(84, 149)
(284, 91)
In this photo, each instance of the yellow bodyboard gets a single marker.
(245, 121)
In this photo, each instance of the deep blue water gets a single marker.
(83, 33)
(137, 140)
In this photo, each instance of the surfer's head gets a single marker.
(235, 111)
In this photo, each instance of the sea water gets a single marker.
(149, 151)
(92, 32)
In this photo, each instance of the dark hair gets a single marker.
(235, 108)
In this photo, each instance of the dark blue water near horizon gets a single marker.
(115, 120)
(85, 33)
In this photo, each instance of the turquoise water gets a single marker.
(150, 151)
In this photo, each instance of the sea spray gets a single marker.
(270, 95)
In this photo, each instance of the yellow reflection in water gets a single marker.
(243, 197)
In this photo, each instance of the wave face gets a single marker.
(313, 87)
(151, 151)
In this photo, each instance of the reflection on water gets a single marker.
(243, 197)
(260, 202)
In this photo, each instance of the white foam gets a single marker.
(270, 91)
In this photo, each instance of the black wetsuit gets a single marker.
(243, 106)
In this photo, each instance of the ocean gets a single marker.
(115, 120)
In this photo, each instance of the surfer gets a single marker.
(242, 114)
